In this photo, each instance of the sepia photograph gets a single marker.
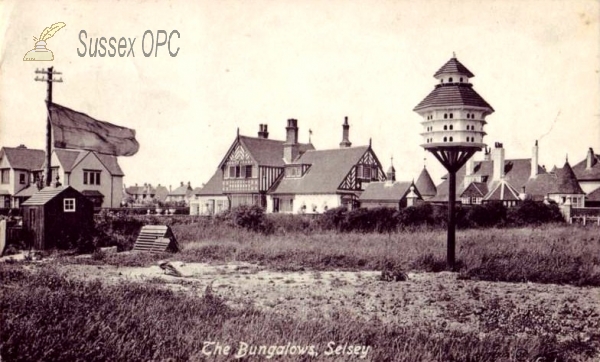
(300, 180)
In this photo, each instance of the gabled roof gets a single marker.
(475, 189)
(69, 159)
(502, 191)
(425, 184)
(386, 191)
(516, 173)
(583, 173)
(44, 195)
(23, 158)
(327, 171)
(453, 66)
(183, 190)
(266, 152)
(449, 95)
(214, 186)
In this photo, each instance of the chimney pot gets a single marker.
(345, 134)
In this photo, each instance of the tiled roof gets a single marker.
(516, 173)
(23, 158)
(214, 186)
(563, 181)
(502, 191)
(447, 95)
(386, 191)
(425, 184)
(70, 158)
(28, 191)
(327, 171)
(567, 181)
(475, 189)
(44, 195)
(454, 66)
(585, 174)
(268, 152)
(183, 190)
(593, 196)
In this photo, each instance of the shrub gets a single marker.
(487, 215)
(251, 218)
(334, 219)
(534, 213)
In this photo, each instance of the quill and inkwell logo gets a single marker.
(40, 52)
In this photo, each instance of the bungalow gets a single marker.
(288, 176)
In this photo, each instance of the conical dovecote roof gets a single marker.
(454, 66)
(425, 184)
(567, 181)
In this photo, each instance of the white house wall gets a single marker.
(310, 200)
(111, 187)
(207, 205)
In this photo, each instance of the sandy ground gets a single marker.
(440, 300)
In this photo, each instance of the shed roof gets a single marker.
(23, 158)
(28, 191)
(327, 171)
(46, 194)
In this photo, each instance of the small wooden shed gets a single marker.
(56, 217)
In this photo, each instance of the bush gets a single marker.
(251, 218)
(487, 215)
(334, 219)
(534, 213)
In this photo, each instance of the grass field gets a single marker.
(288, 290)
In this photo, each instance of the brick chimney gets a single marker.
(589, 162)
(345, 134)
(498, 161)
(290, 147)
(262, 131)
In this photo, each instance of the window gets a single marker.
(4, 175)
(69, 205)
(450, 139)
(451, 127)
(364, 172)
(248, 171)
(445, 139)
(22, 178)
(460, 79)
(450, 80)
(451, 115)
(91, 177)
(445, 115)
(445, 127)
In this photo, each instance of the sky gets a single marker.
(242, 63)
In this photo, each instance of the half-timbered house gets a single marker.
(247, 171)
(288, 176)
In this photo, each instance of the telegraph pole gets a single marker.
(48, 79)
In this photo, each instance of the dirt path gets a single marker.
(435, 299)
